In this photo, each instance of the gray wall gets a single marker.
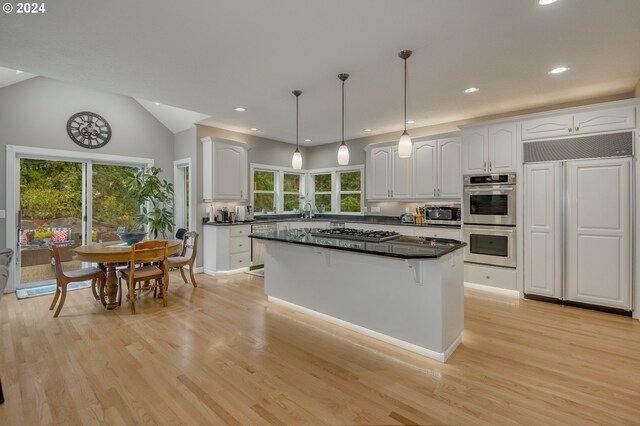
(261, 150)
(35, 113)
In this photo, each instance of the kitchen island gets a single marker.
(408, 291)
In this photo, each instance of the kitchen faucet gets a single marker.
(304, 210)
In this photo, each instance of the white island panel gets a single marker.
(417, 304)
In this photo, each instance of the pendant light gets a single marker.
(343, 151)
(404, 144)
(296, 161)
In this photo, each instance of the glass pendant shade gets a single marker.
(343, 155)
(296, 160)
(404, 145)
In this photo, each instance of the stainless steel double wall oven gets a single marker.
(490, 219)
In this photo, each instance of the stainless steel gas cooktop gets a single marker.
(356, 234)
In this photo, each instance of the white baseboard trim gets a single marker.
(198, 269)
(497, 290)
(219, 273)
(438, 356)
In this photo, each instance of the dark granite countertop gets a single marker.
(404, 247)
(378, 220)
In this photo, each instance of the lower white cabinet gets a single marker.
(226, 249)
(491, 276)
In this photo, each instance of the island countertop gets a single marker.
(403, 247)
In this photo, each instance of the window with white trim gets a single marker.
(291, 191)
(323, 192)
(264, 191)
(349, 191)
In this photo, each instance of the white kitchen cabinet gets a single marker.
(388, 176)
(379, 174)
(599, 232)
(436, 168)
(489, 149)
(590, 121)
(607, 120)
(225, 170)
(226, 249)
(547, 127)
(402, 178)
(542, 232)
(425, 180)
(449, 169)
(475, 148)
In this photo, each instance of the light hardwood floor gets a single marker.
(220, 353)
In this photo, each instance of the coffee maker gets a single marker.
(240, 213)
(248, 213)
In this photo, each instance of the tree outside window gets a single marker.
(291, 191)
(322, 192)
(264, 195)
(350, 191)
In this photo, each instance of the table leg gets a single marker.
(112, 287)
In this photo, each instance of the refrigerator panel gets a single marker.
(542, 231)
(598, 232)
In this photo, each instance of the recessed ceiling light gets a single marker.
(559, 70)
(367, 130)
(546, 2)
(255, 129)
(240, 109)
(471, 90)
(307, 140)
(410, 121)
(19, 72)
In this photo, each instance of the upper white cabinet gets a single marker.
(489, 149)
(225, 170)
(593, 121)
(388, 176)
(432, 171)
(436, 168)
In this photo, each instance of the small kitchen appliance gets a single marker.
(248, 214)
(443, 214)
(408, 218)
(240, 213)
(222, 215)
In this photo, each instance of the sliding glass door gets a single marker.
(51, 213)
(55, 199)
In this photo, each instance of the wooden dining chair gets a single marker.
(190, 243)
(96, 275)
(153, 256)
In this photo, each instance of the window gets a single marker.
(291, 191)
(264, 191)
(322, 192)
(350, 191)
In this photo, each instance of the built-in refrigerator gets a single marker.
(578, 220)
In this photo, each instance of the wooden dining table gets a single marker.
(109, 255)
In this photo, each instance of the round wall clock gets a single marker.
(88, 129)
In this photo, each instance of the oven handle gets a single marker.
(492, 189)
(489, 231)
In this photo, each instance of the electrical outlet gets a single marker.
(407, 210)
(3, 214)
(375, 209)
(365, 209)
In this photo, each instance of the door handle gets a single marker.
(490, 166)
(570, 129)
(484, 166)
(577, 129)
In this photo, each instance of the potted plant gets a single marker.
(155, 196)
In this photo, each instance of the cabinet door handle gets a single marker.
(484, 166)
(434, 192)
(490, 166)
(577, 129)
(570, 130)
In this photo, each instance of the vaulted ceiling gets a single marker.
(212, 56)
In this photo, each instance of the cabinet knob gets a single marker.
(570, 129)
(577, 129)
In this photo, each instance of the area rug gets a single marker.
(25, 293)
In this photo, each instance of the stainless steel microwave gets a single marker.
(490, 199)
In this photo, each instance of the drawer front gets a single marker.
(452, 234)
(239, 260)
(242, 230)
(239, 244)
